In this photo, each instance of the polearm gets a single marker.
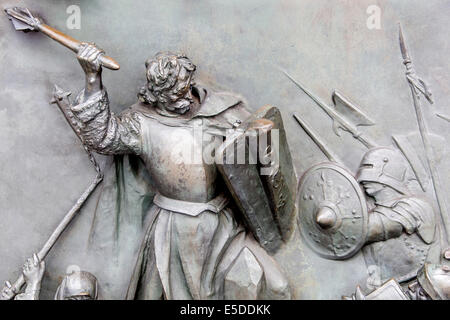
(61, 99)
(443, 117)
(349, 124)
(23, 20)
(418, 87)
(317, 140)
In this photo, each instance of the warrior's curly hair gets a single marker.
(168, 78)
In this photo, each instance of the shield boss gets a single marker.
(332, 208)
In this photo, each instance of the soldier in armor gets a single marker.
(77, 285)
(194, 247)
(432, 283)
(402, 227)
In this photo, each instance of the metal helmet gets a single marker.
(77, 285)
(384, 165)
(435, 280)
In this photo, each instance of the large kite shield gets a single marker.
(333, 218)
(263, 186)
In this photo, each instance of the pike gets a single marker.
(345, 114)
(61, 98)
(23, 20)
(418, 87)
(316, 139)
(443, 117)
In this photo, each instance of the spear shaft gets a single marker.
(424, 134)
(446, 118)
(316, 139)
(338, 120)
(61, 99)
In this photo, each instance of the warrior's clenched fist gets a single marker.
(33, 270)
(88, 56)
(7, 292)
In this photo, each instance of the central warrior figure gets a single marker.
(194, 247)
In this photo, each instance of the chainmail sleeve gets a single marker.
(102, 130)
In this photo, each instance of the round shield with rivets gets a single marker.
(332, 211)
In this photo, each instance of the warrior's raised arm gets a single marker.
(88, 57)
(103, 131)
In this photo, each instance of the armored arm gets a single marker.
(102, 130)
(409, 215)
(381, 228)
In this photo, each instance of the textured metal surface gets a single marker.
(324, 44)
(281, 183)
(328, 185)
(265, 198)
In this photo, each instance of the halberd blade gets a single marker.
(350, 111)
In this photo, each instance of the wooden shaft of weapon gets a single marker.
(315, 138)
(75, 45)
(343, 123)
(443, 117)
(74, 210)
(369, 144)
(423, 130)
(67, 218)
(61, 227)
(441, 201)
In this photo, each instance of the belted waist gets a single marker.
(191, 208)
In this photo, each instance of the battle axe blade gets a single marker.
(349, 110)
(345, 115)
(23, 20)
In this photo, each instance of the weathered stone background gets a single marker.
(241, 45)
